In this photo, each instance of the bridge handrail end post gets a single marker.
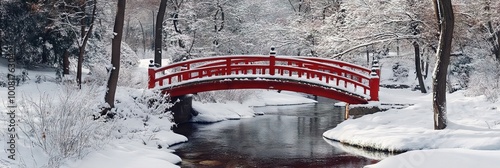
(272, 61)
(374, 84)
(376, 66)
(152, 74)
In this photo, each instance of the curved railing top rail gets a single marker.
(208, 59)
(299, 64)
(340, 63)
(219, 60)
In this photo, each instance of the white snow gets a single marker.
(127, 155)
(473, 123)
(472, 138)
(133, 142)
(137, 142)
(439, 158)
(215, 112)
(273, 98)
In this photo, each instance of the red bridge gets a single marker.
(333, 79)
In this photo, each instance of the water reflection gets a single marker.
(371, 154)
(286, 136)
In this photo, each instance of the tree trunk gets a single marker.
(45, 50)
(127, 32)
(425, 65)
(175, 19)
(367, 57)
(443, 59)
(115, 55)
(143, 37)
(497, 51)
(418, 68)
(397, 48)
(495, 35)
(495, 41)
(158, 31)
(85, 36)
(66, 62)
(151, 40)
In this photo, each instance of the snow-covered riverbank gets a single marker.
(474, 123)
(214, 112)
(136, 139)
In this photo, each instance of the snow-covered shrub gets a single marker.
(99, 65)
(224, 96)
(399, 72)
(151, 102)
(460, 69)
(485, 80)
(176, 54)
(143, 114)
(19, 78)
(45, 78)
(63, 126)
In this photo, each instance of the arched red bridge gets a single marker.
(318, 76)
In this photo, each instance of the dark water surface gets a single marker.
(286, 136)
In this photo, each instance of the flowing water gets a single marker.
(285, 136)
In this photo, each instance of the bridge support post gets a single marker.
(346, 111)
(151, 74)
(182, 109)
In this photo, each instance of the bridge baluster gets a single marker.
(228, 66)
(272, 66)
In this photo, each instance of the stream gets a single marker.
(285, 136)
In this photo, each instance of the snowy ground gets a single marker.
(439, 158)
(473, 124)
(473, 131)
(472, 138)
(135, 139)
(140, 138)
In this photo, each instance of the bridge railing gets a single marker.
(324, 71)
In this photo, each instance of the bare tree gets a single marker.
(115, 56)
(492, 30)
(158, 31)
(418, 67)
(444, 11)
(85, 34)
